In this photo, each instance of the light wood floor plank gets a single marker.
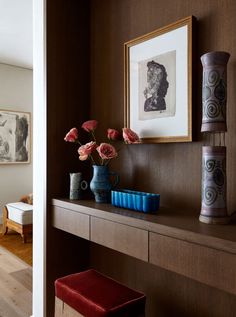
(24, 277)
(6, 310)
(10, 263)
(14, 291)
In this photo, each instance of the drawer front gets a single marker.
(123, 238)
(210, 266)
(71, 221)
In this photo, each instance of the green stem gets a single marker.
(93, 135)
(77, 141)
(107, 162)
(92, 159)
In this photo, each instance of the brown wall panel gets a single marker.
(173, 170)
(68, 87)
(68, 92)
(85, 79)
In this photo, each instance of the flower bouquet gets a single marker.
(100, 155)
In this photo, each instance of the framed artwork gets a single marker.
(14, 137)
(158, 84)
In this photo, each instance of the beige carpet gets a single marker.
(12, 241)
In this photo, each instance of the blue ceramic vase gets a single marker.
(101, 184)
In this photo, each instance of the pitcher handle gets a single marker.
(117, 179)
(83, 185)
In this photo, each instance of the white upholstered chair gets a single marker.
(18, 216)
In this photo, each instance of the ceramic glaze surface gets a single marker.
(135, 200)
(101, 184)
(214, 181)
(214, 91)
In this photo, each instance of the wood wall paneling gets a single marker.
(68, 87)
(68, 98)
(172, 170)
(85, 78)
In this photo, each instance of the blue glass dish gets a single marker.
(140, 201)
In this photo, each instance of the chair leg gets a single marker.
(24, 237)
(4, 221)
(4, 229)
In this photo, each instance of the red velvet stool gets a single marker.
(91, 294)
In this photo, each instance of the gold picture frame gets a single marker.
(15, 137)
(158, 84)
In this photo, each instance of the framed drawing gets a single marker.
(14, 137)
(158, 84)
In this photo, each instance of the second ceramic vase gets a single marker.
(214, 207)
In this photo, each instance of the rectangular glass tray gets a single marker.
(135, 200)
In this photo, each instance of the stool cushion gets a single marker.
(20, 213)
(95, 295)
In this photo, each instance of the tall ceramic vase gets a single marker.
(214, 207)
(101, 184)
(214, 91)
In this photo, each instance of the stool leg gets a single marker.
(58, 307)
(63, 310)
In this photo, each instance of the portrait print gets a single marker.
(14, 137)
(158, 83)
(157, 86)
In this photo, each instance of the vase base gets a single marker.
(100, 201)
(215, 220)
(102, 198)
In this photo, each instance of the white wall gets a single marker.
(16, 93)
(40, 158)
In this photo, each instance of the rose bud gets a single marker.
(113, 134)
(130, 136)
(72, 135)
(90, 125)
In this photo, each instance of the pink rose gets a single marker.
(113, 134)
(90, 125)
(106, 151)
(85, 150)
(130, 136)
(72, 135)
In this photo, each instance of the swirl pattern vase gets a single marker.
(214, 91)
(214, 208)
(101, 185)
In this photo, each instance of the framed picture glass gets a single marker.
(14, 137)
(158, 84)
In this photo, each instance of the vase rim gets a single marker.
(215, 57)
(96, 165)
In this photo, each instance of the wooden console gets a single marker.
(172, 239)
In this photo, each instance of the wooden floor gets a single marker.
(13, 243)
(15, 286)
